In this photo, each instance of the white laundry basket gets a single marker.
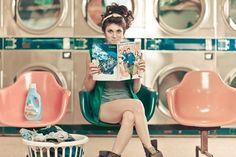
(63, 149)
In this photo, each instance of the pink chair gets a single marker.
(54, 100)
(202, 100)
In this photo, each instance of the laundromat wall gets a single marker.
(176, 37)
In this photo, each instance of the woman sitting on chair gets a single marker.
(116, 101)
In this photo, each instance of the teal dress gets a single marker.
(95, 96)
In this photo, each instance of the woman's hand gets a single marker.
(141, 65)
(93, 69)
(141, 69)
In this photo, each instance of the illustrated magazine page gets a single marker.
(117, 61)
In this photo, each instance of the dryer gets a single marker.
(226, 67)
(88, 17)
(180, 18)
(59, 63)
(166, 69)
(79, 74)
(226, 19)
(34, 18)
(1, 18)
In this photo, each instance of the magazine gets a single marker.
(117, 61)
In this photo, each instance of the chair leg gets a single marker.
(197, 149)
(204, 145)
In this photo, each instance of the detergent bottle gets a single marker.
(33, 106)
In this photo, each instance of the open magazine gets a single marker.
(117, 61)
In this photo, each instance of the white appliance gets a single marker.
(59, 63)
(34, 18)
(88, 17)
(186, 18)
(166, 69)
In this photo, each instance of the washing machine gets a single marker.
(226, 67)
(1, 18)
(59, 63)
(34, 18)
(79, 74)
(166, 69)
(226, 19)
(180, 18)
(88, 17)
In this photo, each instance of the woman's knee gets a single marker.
(128, 118)
(138, 107)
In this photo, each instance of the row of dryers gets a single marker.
(68, 67)
(153, 18)
(163, 70)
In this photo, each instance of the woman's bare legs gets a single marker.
(124, 110)
(125, 132)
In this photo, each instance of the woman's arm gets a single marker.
(136, 85)
(91, 69)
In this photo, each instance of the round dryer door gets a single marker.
(167, 78)
(39, 16)
(93, 9)
(230, 12)
(58, 75)
(179, 16)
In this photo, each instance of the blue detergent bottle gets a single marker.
(33, 106)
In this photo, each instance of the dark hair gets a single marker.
(125, 20)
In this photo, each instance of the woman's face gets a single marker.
(114, 33)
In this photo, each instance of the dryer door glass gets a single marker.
(179, 15)
(233, 83)
(230, 12)
(231, 79)
(165, 81)
(93, 9)
(37, 16)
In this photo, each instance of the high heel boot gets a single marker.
(153, 151)
(107, 154)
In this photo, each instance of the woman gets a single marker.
(116, 102)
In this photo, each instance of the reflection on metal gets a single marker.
(38, 18)
(166, 78)
(93, 9)
(81, 43)
(179, 16)
(10, 43)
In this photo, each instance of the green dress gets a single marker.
(96, 95)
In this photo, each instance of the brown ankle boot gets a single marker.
(153, 151)
(107, 154)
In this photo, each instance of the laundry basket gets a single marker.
(63, 149)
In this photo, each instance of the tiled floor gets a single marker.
(170, 146)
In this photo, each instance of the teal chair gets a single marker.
(147, 96)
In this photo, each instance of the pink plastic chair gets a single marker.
(202, 100)
(54, 100)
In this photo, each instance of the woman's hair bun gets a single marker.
(121, 10)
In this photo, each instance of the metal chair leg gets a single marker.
(204, 145)
(197, 149)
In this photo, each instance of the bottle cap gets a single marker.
(33, 85)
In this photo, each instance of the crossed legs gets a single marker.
(128, 112)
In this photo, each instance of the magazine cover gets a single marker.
(117, 61)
